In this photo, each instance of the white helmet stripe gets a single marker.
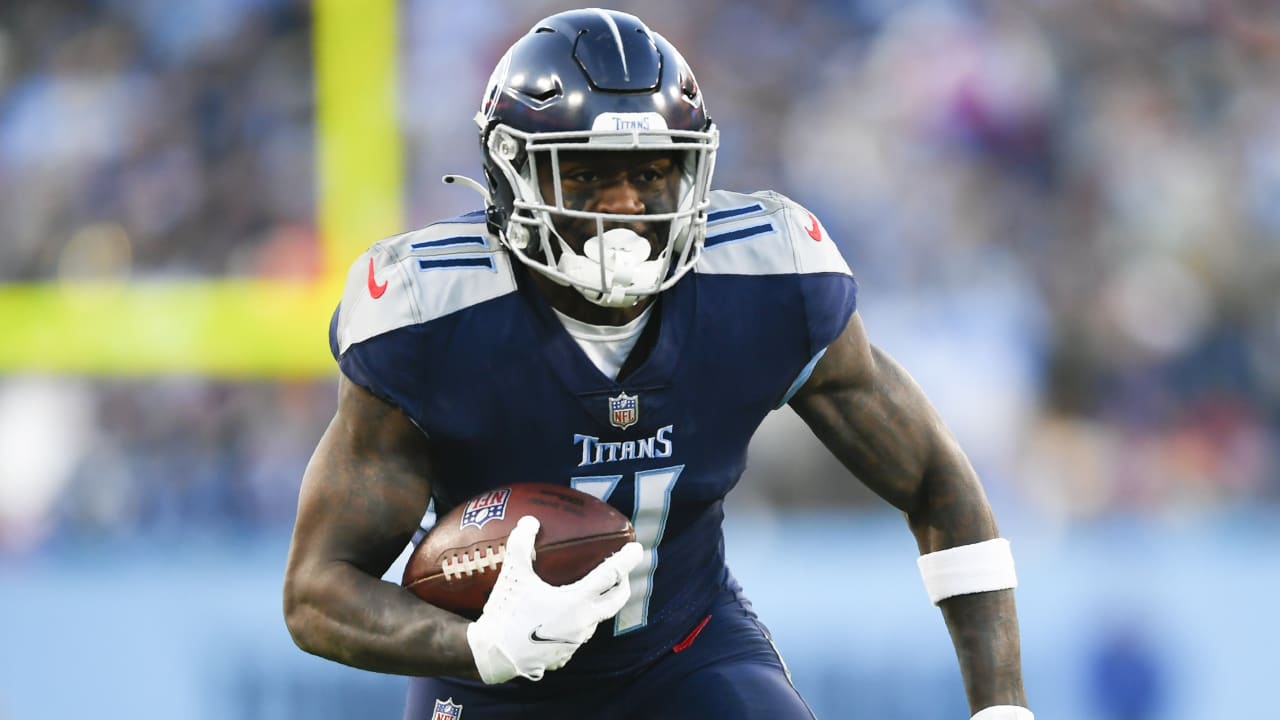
(617, 39)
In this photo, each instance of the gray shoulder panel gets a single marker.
(419, 276)
(765, 233)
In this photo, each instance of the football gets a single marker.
(456, 564)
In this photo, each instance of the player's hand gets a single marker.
(527, 626)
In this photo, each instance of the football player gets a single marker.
(609, 322)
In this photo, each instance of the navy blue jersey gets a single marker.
(726, 668)
(439, 323)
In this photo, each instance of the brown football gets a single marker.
(456, 564)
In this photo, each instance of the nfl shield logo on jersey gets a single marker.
(446, 710)
(489, 506)
(624, 410)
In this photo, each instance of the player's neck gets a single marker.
(571, 302)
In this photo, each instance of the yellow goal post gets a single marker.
(244, 328)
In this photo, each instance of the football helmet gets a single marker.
(594, 80)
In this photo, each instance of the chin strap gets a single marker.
(626, 266)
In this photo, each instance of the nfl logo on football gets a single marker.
(624, 410)
(489, 506)
(446, 710)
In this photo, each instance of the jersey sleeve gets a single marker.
(382, 364)
(827, 285)
(403, 297)
(371, 333)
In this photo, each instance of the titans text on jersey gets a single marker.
(596, 451)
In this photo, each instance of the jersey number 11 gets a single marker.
(653, 502)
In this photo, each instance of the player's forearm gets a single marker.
(983, 621)
(984, 630)
(345, 615)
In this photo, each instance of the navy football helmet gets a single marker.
(594, 80)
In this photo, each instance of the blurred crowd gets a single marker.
(1064, 217)
(144, 138)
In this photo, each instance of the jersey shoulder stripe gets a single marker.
(766, 233)
(420, 276)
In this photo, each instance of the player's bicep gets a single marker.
(873, 416)
(366, 487)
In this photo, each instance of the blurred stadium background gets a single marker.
(1064, 215)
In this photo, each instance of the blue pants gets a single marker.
(730, 669)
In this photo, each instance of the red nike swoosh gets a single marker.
(814, 232)
(375, 290)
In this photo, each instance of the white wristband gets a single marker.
(1004, 712)
(980, 567)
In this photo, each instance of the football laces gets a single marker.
(480, 560)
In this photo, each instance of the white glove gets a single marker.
(528, 626)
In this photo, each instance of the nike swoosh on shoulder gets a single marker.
(376, 289)
(814, 231)
(536, 637)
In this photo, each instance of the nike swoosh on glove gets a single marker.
(528, 626)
